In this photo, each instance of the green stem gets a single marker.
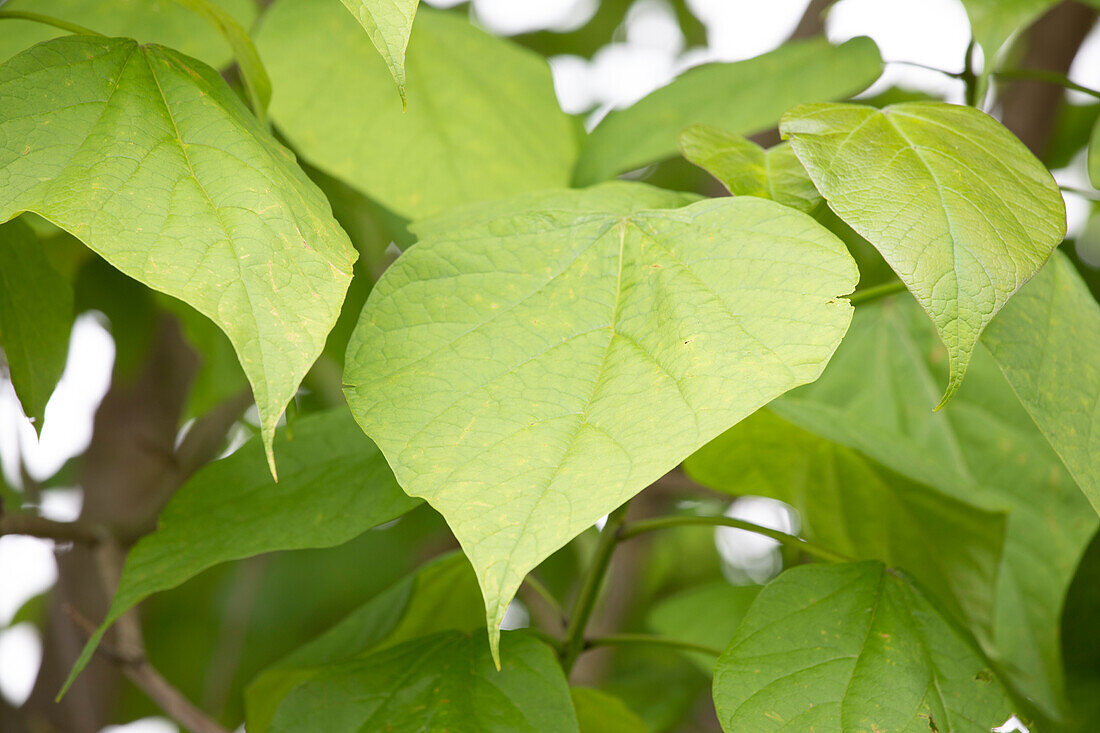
(1090, 195)
(1050, 77)
(866, 295)
(48, 20)
(652, 525)
(651, 640)
(544, 593)
(573, 643)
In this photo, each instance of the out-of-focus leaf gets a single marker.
(708, 615)
(600, 712)
(961, 210)
(1094, 156)
(859, 508)
(440, 596)
(36, 318)
(746, 169)
(484, 122)
(1074, 126)
(1047, 343)
(853, 648)
(745, 97)
(149, 158)
(985, 450)
(389, 24)
(165, 22)
(993, 22)
(445, 682)
(335, 485)
(1080, 644)
(532, 364)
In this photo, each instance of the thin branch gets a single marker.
(875, 292)
(1084, 193)
(32, 525)
(573, 643)
(48, 20)
(650, 640)
(146, 678)
(1050, 77)
(651, 525)
(544, 593)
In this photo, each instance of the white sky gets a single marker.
(650, 53)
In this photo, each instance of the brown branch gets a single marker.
(813, 20)
(32, 525)
(136, 667)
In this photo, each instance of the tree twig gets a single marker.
(32, 525)
(651, 640)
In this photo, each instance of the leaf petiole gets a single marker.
(652, 640)
(48, 20)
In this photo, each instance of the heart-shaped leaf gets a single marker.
(531, 364)
(150, 159)
(961, 210)
(853, 648)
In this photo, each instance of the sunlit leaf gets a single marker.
(36, 316)
(166, 22)
(746, 169)
(993, 22)
(389, 24)
(335, 485)
(745, 97)
(984, 450)
(1047, 343)
(961, 210)
(853, 648)
(484, 122)
(530, 365)
(859, 508)
(443, 682)
(150, 159)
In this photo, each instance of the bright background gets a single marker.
(649, 52)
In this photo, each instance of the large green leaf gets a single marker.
(440, 596)
(389, 24)
(745, 97)
(1047, 343)
(530, 365)
(600, 712)
(443, 682)
(707, 615)
(484, 122)
(36, 316)
(335, 485)
(961, 210)
(150, 159)
(746, 169)
(855, 506)
(166, 22)
(853, 648)
(985, 450)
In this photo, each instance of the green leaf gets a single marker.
(707, 615)
(443, 682)
(993, 22)
(1094, 156)
(530, 365)
(335, 486)
(1047, 343)
(600, 712)
(861, 509)
(440, 596)
(148, 158)
(961, 210)
(853, 648)
(389, 24)
(745, 97)
(484, 123)
(985, 451)
(746, 169)
(150, 21)
(36, 318)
